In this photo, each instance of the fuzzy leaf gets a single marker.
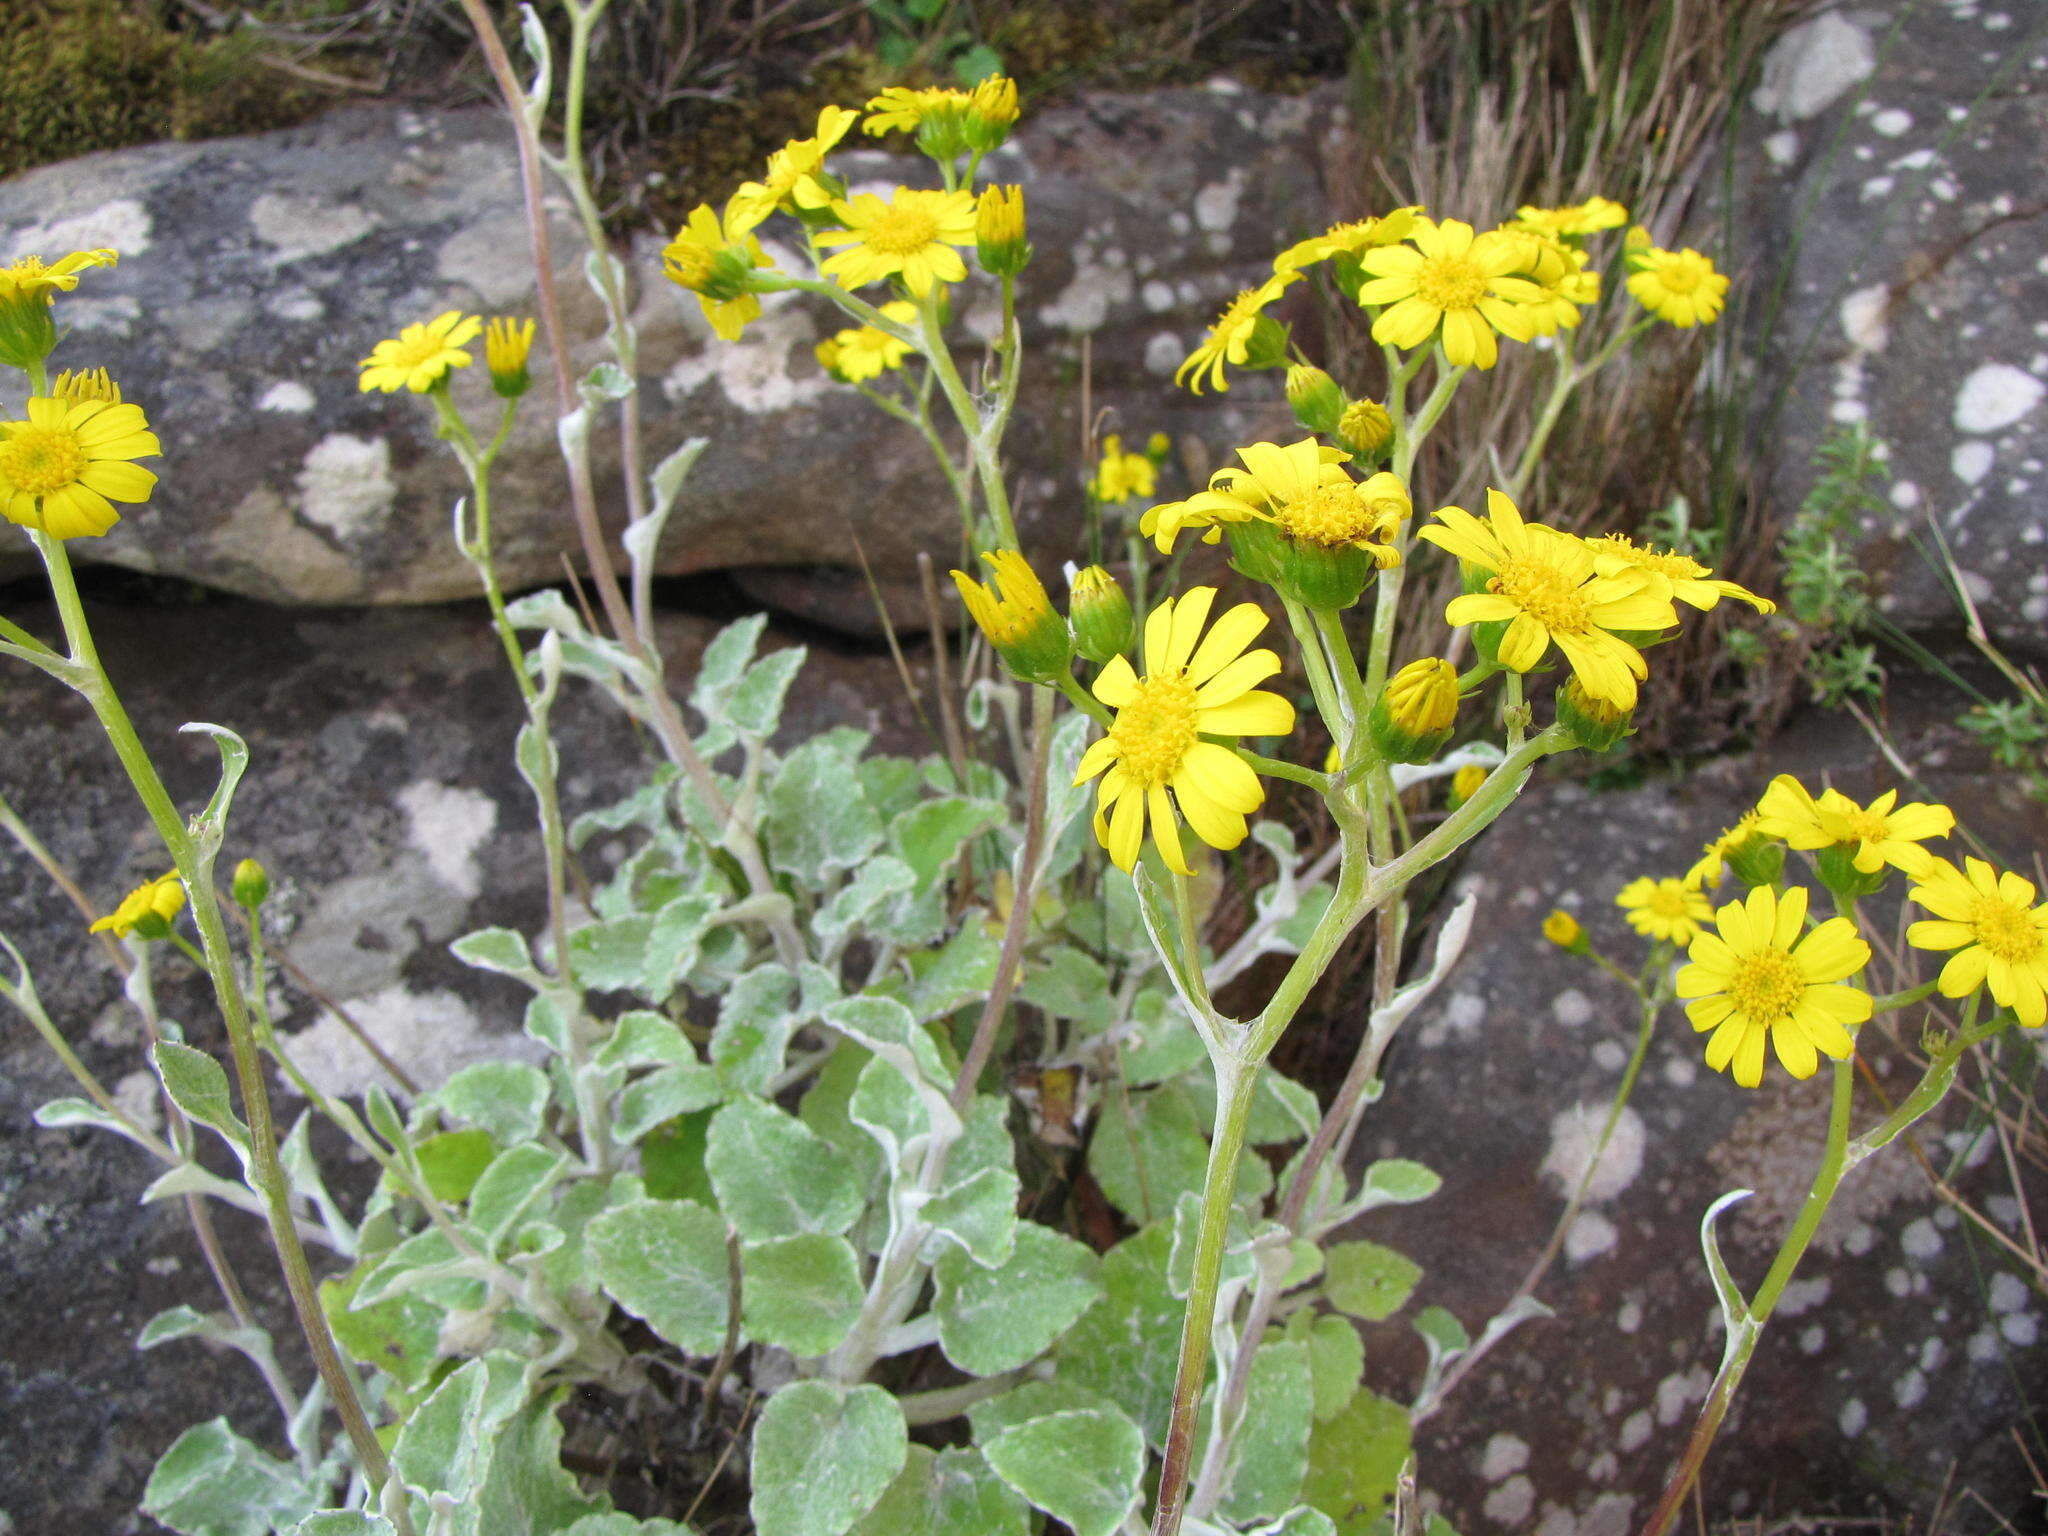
(665, 1262)
(506, 1098)
(1270, 1453)
(1368, 1280)
(948, 1493)
(212, 1482)
(994, 1320)
(801, 1292)
(1082, 1468)
(823, 1457)
(774, 1176)
(1127, 1346)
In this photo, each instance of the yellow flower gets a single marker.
(868, 351)
(1707, 871)
(791, 182)
(1544, 585)
(1681, 287)
(1448, 280)
(910, 236)
(62, 469)
(1465, 783)
(1563, 930)
(1579, 219)
(1664, 909)
(29, 274)
(1230, 337)
(715, 258)
(999, 243)
(1348, 239)
(1155, 759)
(1999, 935)
(1756, 978)
(148, 909)
(1882, 832)
(1304, 491)
(947, 122)
(421, 355)
(1366, 427)
(507, 344)
(72, 387)
(1121, 476)
(1691, 582)
(1564, 285)
(1018, 618)
(1413, 716)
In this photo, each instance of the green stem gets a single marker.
(1279, 769)
(1083, 700)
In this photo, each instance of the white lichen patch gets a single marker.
(1802, 1296)
(1164, 354)
(1812, 1339)
(1571, 1008)
(1863, 317)
(1635, 1430)
(136, 1095)
(1510, 1504)
(1910, 1390)
(345, 483)
(433, 1035)
(1216, 204)
(298, 227)
(752, 373)
(1853, 1418)
(1590, 1236)
(1675, 1394)
(1100, 279)
(1574, 1135)
(1891, 122)
(288, 396)
(1505, 1454)
(1970, 462)
(120, 224)
(448, 824)
(2006, 1293)
(1921, 1240)
(1995, 396)
(1812, 66)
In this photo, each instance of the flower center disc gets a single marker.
(1545, 593)
(1450, 282)
(1680, 277)
(1766, 985)
(1331, 515)
(1668, 900)
(903, 231)
(2006, 930)
(1154, 731)
(1865, 826)
(39, 460)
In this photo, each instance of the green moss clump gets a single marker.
(84, 75)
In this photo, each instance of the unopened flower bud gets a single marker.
(999, 231)
(1563, 930)
(1317, 401)
(1465, 783)
(1366, 428)
(1018, 618)
(84, 385)
(1413, 716)
(991, 113)
(1592, 723)
(251, 886)
(1100, 615)
(507, 344)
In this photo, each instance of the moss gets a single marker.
(84, 75)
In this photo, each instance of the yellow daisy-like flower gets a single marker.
(1706, 873)
(2000, 936)
(791, 182)
(1755, 978)
(63, 468)
(945, 121)
(1691, 582)
(867, 351)
(1882, 832)
(1303, 490)
(1448, 280)
(1563, 930)
(1155, 759)
(1230, 336)
(1565, 286)
(1545, 586)
(1016, 614)
(1680, 287)
(911, 236)
(1348, 239)
(421, 356)
(1575, 221)
(715, 258)
(149, 908)
(1664, 909)
(1121, 476)
(85, 384)
(31, 275)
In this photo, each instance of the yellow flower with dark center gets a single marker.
(1230, 336)
(420, 357)
(1755, 979)
(94, 384)
(911, 236)
(31, 275)
(1448, 281)
(1018, 618)
(1664, 909)
(2000, 936)
(715, 259)
(1692, 583)
(1348, 239)
(1574, 221)
(1883, 832)
(147, 910)
(867, 352)
(507, 345)
(63, 468)
(1154, 762)
(791, 182)
(1301, 489)
(1543, 584)
(1680, 287)
(1120, 476)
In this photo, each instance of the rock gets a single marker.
(1892, 187)
(239, 312)
(1896, 1360)
(381, 796)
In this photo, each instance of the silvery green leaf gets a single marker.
(1127, 1346)
(1735, 1316)
(756, 1017)
(1151, 1147)
(1082, 1468)
(506, 1098)
(445, 1445)
(424, 1254)
(534, 37)
(1368, 1280)
(1032, 1398)
(644, 1038)
(1158, 1042)
(978, 1212)
(1303, 1520)
(546, 609)
(543, 1021)
(611, 955)
(892, 1032)
(667, 480)
(877, 883)
(511, 1188)
(1336, 1357)
(885, 1105)
(818, 821)
(823, 1457)
(961, 972)
(674, 940)
(1238, 1263)
(1283, 1110)
(723, 663)
(343, 1522)
(1396, 1181)
(212, 1482)
(662, 1095)
(995, 1320)
(930, 836)
(198, 1085)
(209, 825)
(1269, 1455)
(947, 1493)
(774, 1176)
(384, 1117)
(754, 708)
(1069, 985)
(191, 1179)
(501, 950)
(177, 1323)
(612, 1523)
(665, 1262)
(63, 1114)
(802, 1293)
